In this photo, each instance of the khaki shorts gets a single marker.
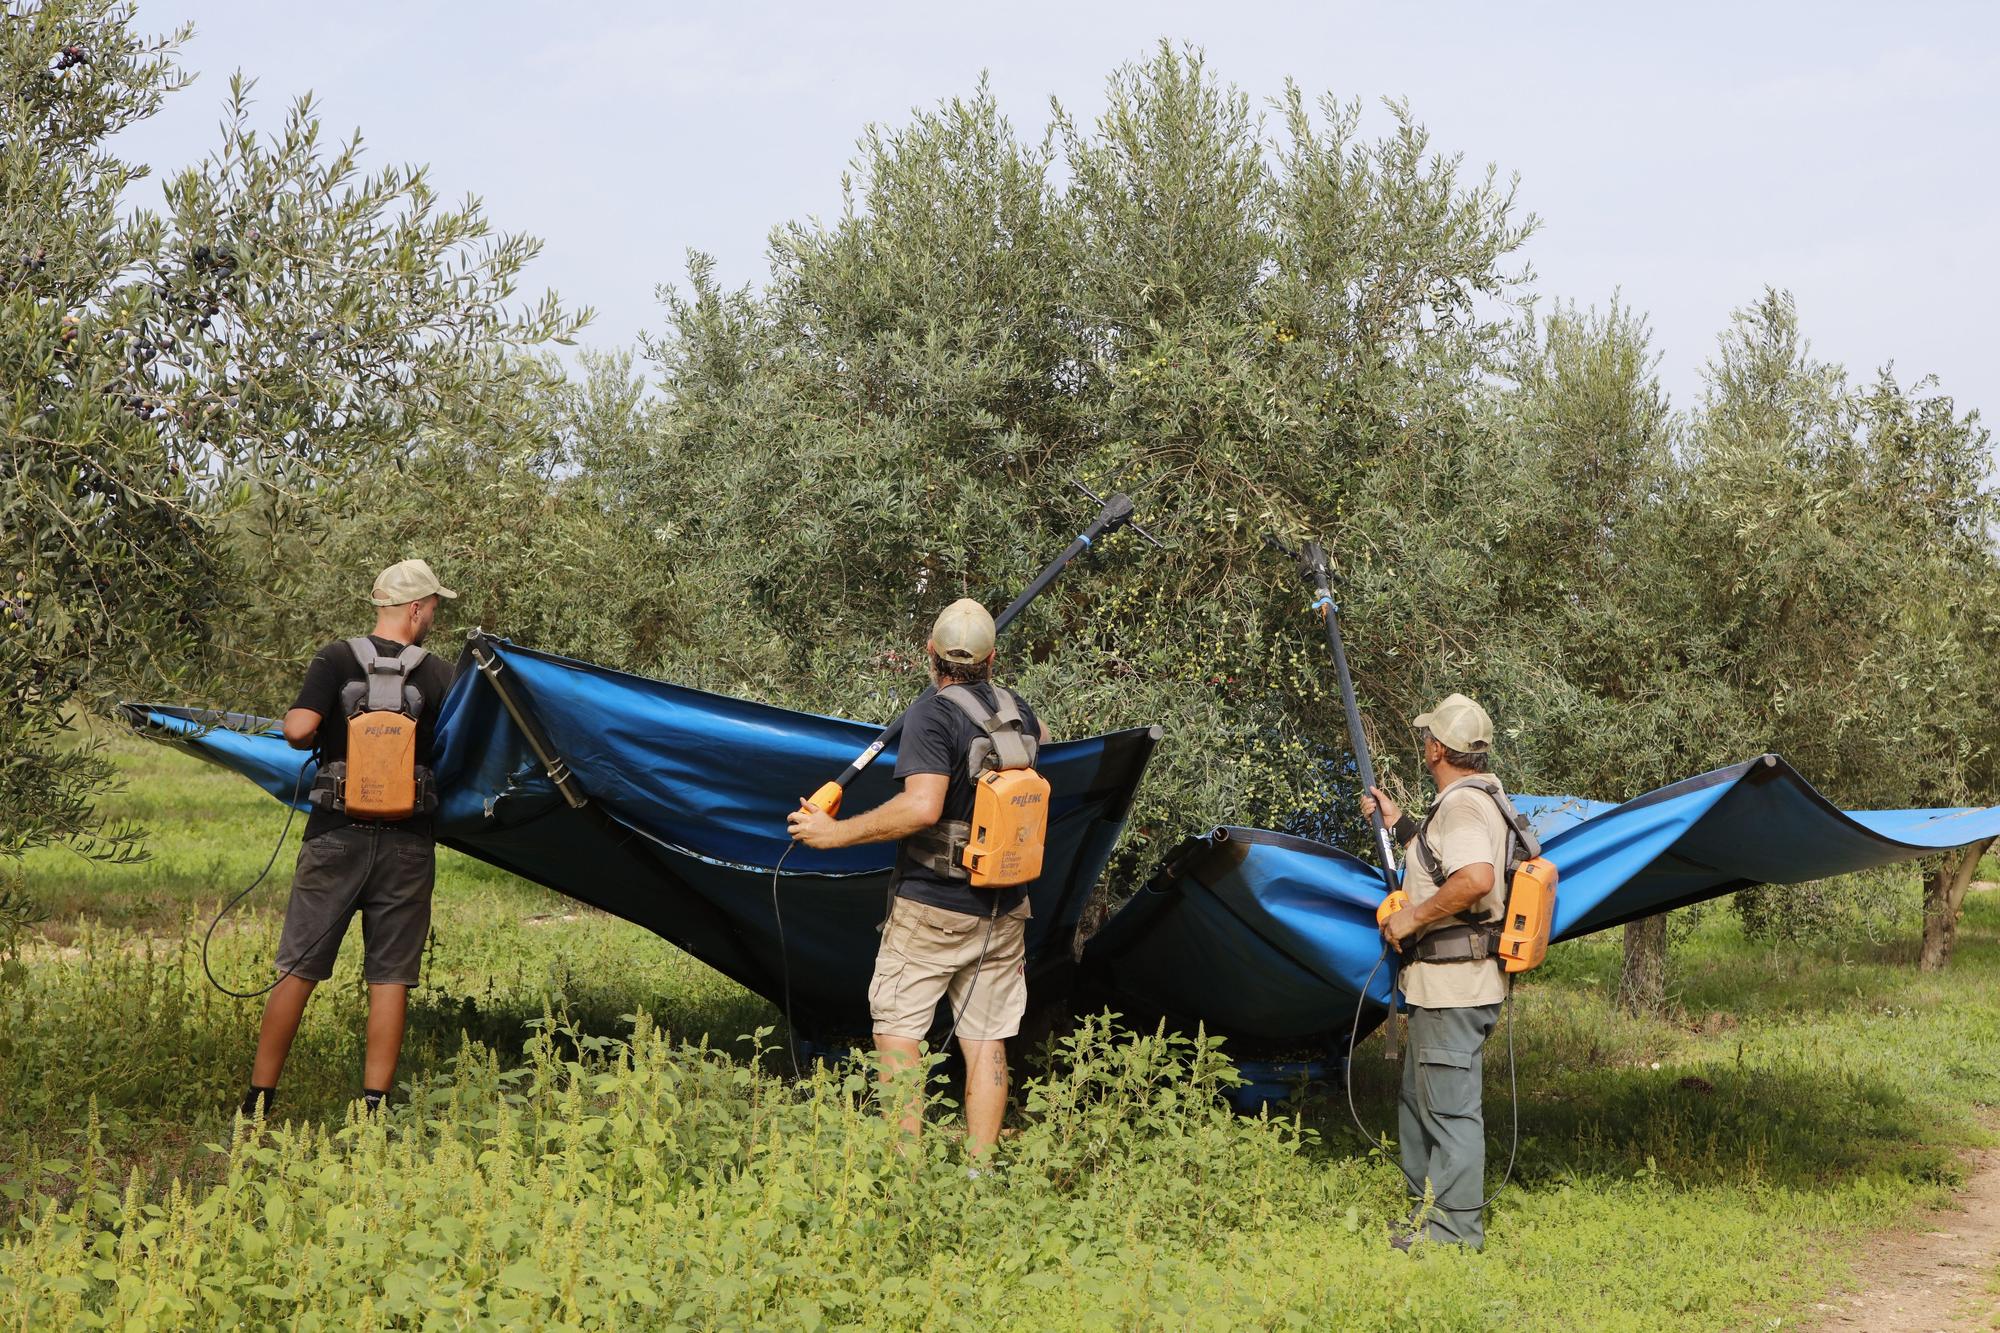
(929, 954)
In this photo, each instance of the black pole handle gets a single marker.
(1312, 568)
(1115, 514)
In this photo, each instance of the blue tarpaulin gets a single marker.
(1262, 936)
(685, 797)
(1267, 937)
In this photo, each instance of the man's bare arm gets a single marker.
(1464, 888)
(1461, 890)
(918, 806)
(301, 726)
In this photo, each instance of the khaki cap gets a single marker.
(407, 581)
(963, 632)
(1459, 724)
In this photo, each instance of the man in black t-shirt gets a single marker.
(943, 938)
(382, 869)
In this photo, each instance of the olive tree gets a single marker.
(1232, 315)
(190, 387)
(1822, 556)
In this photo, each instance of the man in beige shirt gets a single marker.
(1448, 937)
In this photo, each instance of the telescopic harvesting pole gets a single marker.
(1312, 567)
(1115, 514)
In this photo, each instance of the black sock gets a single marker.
(372, 1099)
(258, 1099)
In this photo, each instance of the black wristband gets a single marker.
(1406, 829)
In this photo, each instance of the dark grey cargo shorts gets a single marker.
(385, 874)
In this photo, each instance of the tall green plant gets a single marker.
(1822, 552)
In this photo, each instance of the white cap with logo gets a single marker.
(963, 632)
(405, 582)
(1458, 724)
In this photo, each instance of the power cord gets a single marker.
(785, 962)
(785, 967)
(291, 813)
(1513, 1084)
(341, 920)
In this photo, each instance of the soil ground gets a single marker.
(1939, 1274)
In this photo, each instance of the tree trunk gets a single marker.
(1944, 898)
(1642, 987)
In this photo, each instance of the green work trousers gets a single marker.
(1439, 1120)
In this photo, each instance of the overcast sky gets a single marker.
(1684, 155)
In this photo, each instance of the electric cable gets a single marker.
(785, 962)
(291, 813)
(958, 1011)
(1513, 1085)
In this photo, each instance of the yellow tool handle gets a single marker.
(1391, 905)
(827, 798)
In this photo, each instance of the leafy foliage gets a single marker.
(1257, 324)
(187, 390)
(1164, 300)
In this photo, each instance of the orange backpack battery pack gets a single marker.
(1010, 824)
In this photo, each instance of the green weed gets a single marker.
(585, 1144)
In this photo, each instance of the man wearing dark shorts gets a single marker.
(382, 869)
(944, 939)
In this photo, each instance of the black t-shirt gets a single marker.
(331, 669)
(937, 738)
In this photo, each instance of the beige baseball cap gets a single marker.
(407, 581)
(1459, 724)
(963, 632)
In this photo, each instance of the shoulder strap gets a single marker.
(1009, 711)
(1433, 867)
(1518, 832)
(386, 676)
(1517, 823)
(1010, 744)
(967, 701)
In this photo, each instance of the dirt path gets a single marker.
(1937, 1275)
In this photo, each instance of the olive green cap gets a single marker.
(963, 632)
(1458, 724)
(405, 582)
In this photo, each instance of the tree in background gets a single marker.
(1258, 325)
(1824, 562)
(1608, 692)
(189, 389)
(524, 517)
(1257, 328)
(1240, 326)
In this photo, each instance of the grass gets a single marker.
(114, 984)
(585, 1143)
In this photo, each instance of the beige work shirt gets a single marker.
(1465, 827)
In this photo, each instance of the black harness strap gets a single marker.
(1461, 943)
(1005, 743)
(1469, 941)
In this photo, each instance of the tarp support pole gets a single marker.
(491, 667)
